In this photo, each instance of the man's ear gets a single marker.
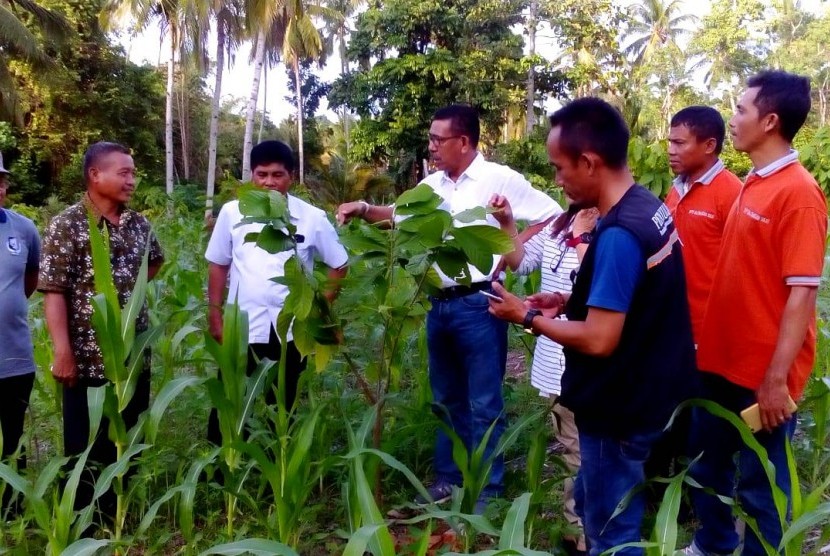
(591, 162)
(771, 122)
(710, 145)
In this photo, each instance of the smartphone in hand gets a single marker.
(752, 415)
(491, 296)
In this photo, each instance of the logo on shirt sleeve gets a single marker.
(662, 219)
(13, 245)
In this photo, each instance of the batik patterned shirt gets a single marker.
(66, 267)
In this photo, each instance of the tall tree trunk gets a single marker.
(344, 69)
(299, 90)
(184, 119)
(168, 119)
(214, 113)
(264, 102)
(530, 116)
(250, 111)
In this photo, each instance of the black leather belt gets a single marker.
(453, 292)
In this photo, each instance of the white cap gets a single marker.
(3, 168)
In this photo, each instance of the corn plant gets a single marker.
(512, 536)
(288, 471)
(123, 355)
(474, 466)
(50, 504)
(234, 394)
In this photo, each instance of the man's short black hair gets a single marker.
(463, 119)
(784, 94)
(704, 122)
(97, 151)
(592, 125)
(270, 152)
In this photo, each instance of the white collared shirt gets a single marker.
(252, 268)
(474, 188)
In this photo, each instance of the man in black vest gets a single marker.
(629, 355)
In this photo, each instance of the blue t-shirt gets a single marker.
(618, 268)
(19, 254)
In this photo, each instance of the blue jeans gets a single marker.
(720, 469)
(611, 469)
(467, 355)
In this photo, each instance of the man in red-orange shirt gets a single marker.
(700, 198)
(758, 337)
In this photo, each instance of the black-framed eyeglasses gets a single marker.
(439, 141)
(556, 263)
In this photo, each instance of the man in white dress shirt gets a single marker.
(250, 268)
(467, 346)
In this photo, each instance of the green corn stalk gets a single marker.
(288, 471)
(234, 394)
(51, 507)
(475, 467)
(123, 355)
(511, 538)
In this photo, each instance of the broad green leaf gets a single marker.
(472, 215)
(168, 393)
(360, 540)
(513, 529)
(808, 521)
(480, 243)
(86, 547)
(421, 193)
(254, 547)
(452, 262)
(271, 240)
(254, 201)
(665, 525)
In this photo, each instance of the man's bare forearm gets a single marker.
(57, 321)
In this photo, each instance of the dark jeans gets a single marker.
(610, 470)
(294, 366)
(103, 452)
(14, 400)
(467, 355)
(720, 469)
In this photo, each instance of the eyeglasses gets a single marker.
(439, 141)
(554, 266)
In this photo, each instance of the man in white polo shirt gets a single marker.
(251, 269)
(467, 345)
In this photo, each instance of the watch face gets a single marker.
(586, 237)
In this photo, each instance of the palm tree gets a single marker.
(337, 29)
(183, 22)
(17, 42)
(302, 40)
(284, 29)
(228, 34)
(655, 24)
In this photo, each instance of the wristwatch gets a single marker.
(577, 240)
(528, 322)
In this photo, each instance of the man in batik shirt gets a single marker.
(67, 281)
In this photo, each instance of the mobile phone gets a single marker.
(491, 296)
(752, 415)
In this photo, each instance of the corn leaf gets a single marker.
(255, 547)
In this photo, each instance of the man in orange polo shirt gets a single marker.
(758, 337)
(700, 198)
